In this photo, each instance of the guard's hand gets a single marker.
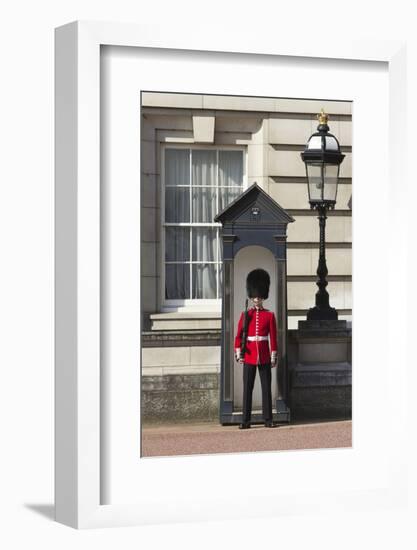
(273, 364)
(239, 358)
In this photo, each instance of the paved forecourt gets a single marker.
(209, 438)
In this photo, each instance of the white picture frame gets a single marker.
(85, 456)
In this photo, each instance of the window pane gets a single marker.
(204, 281)
(220, 247)
(331, 143)
(177, 167)
(203, 167)
(315, 181)
(315, 142)
(220, 281)
(204, 204)
(331, 172)
(230, 167)
(177, 281)
(227, 195)
(204, 244)
(177, 204)
(177, 244)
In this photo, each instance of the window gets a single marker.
(198, 183)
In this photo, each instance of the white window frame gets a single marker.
(191, 305)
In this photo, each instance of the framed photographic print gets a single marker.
(191, 175)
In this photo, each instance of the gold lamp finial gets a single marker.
(322, 117)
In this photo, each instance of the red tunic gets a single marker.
(261, 323)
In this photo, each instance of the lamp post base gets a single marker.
(322, 314)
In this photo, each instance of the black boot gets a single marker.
(244, 426)
(270, 424)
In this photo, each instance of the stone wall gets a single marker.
(321, 403)
(180, 398)
(320, 367)
(180, 378)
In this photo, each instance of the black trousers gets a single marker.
(249, 374)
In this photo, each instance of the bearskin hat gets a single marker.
(257, 284)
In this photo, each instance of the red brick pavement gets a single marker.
(208, 438)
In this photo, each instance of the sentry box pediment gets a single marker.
(254, 206)
(253, 218)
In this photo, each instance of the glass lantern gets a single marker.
(322, 158)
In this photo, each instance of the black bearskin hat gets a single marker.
(257, 284)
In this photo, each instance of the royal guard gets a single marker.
(256, 326)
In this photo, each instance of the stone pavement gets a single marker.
(209, 438)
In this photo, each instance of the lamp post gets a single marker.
(322, 158)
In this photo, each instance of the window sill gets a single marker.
(185, 321)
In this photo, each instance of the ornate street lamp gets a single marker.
(322, 158)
